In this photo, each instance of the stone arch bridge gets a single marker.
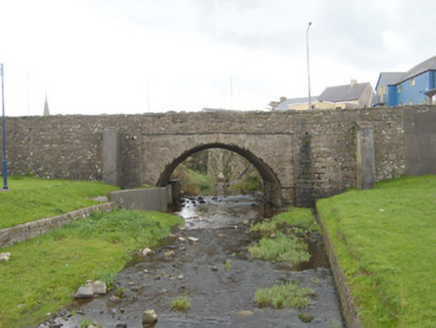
(301, 156)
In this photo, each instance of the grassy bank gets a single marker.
(385, 241)
(43, 273)
(194, 182)
(31, 198)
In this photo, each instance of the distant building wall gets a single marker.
(411, 91)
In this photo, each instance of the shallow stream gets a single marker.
(217, 274)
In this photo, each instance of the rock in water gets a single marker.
(169, 253)
(146, 252)
(193, 239)
(245, 313)
(149, 317)
(99, 287)
(84, 292)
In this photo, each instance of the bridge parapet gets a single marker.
(306, 154)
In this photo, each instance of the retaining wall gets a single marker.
(22, 232)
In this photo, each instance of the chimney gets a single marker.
(353, 83)
(282, 99)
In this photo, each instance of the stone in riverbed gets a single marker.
(84, 292)
(149, 317)
(99, 287)
(169, 253)
(146, 252)
(245, 313)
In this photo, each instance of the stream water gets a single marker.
(216, 272)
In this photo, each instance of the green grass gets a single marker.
(385, 241)
(31, 198)
(301, 218)
(287, 295)
(281, 248)
(247, 185)
(194, 182)
(181, 304)
(43, 273)
(284, 236)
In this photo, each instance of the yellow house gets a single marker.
(353, 95)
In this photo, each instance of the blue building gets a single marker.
(415, 87)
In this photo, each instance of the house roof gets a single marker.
(428, 65)
(347, 92)
(396, 78)
(391, 78)
(284, 105)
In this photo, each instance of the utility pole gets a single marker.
(5, 168)
(308, 69)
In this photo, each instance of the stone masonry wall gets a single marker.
(311, 154)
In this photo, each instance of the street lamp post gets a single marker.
(5, 168)
(308, 69)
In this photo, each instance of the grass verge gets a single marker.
(30, 198)
(385, 240)
(43, 273)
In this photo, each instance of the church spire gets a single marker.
(46, 110)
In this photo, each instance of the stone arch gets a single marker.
(271, 183)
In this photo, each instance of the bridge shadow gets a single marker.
(271, 184)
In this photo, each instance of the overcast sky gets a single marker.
(139, 56)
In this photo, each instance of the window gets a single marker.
(411, 102)
(412, 82)
(399, 88)
(400, 104)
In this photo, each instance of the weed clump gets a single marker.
(287, 295)
(181, 304)
(281, 248)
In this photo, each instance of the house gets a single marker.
(415, 87)
(295, 103)
(353, 95)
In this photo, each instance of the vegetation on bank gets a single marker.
(194, 182)
(30, 198)
(385, 241)
(43, 273)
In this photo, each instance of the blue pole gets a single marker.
(5, 165)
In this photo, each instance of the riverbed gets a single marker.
(208, 262)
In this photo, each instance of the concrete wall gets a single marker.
(305, 154)
(153, 199)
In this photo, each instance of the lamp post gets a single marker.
(308, 69)
(5, 169)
